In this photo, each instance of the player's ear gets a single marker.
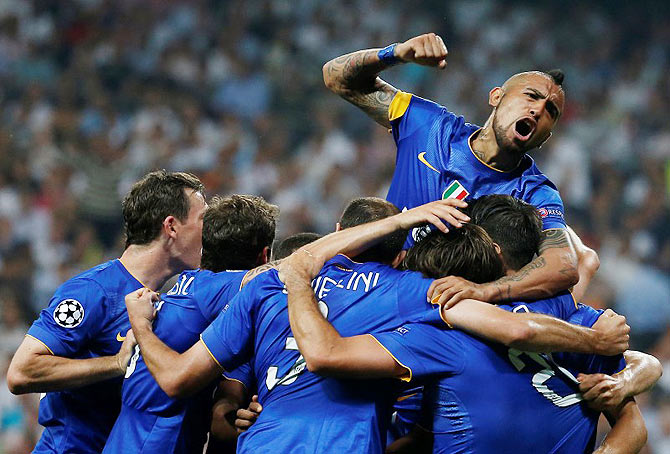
(399, 258)
(169, 226)
(498, 249)
(495, 95)
(338, 227)
(263, 256)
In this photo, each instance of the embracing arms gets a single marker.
(35, 369)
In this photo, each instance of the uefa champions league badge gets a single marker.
(69, 313)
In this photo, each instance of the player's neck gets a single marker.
(149, 264)
(485, 146)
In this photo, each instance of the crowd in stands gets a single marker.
(95, 93)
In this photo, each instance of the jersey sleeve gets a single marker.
(229, 339)
(424, 349)
(408, 113)
(213, 298)
(412, 291)
(549, 204)
(74, 316)
(243, 374)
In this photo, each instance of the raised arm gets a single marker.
(34, 369)
(554, 270)
(354, 76)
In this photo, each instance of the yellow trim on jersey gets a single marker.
(126, 268)
(477, 157)
(210, 353)
(621, 371)
(442, 316)
(403, 378)
(47, 347)
(233, 379)
(573, 299)
(401, 398)
(399, 105)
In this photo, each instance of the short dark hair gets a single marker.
(467, 252)
(156, 196)
(292, 243)
(235, 230)
(512, 223)
(557, 75)
(369, 209)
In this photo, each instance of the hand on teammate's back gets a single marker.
(613, 333)
(140, 305)
(602, 392)
(435, 213)
(427, 50)
(247, 417)
(448, 291)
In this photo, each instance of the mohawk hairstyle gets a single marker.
(557, 75)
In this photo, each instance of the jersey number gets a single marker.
(540, 378)
(298, 367)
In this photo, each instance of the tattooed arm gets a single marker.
(554, 270)
(354, 76)
(258, 270)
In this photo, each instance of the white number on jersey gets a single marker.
(298, 367)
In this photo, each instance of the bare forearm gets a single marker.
(163, 362)
(354, 78)
(45, 373)
(628, 434)
(314, 335)
(550, 334)
(553, 271)
(641, 373)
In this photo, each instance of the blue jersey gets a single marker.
(86, 318)
(304, 412)
(151, 421)
(481, 397)
(435, 161)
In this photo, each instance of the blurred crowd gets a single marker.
(94, 93)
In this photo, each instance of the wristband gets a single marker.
(386, 55)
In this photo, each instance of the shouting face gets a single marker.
(527, 108)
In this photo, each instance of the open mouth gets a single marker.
(524, 128)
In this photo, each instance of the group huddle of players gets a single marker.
(379, 336)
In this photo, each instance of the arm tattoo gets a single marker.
(554, 238)
(355, 79)
(258, 270)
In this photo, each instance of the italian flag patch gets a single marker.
(455, 191)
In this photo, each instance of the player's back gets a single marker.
(507, 401)
(86, 318)
(150, 420)
(304, 412)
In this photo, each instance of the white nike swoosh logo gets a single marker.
(423, 160)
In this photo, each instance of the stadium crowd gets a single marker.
(93, 94)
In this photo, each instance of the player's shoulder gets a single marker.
(100, 276)
(411, 109)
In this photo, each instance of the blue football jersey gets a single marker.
(435, 161)
(482, 397)
(151, 421)
(304, 412)
(86, 318)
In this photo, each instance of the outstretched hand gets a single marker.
(435, 213)
(427, 50)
